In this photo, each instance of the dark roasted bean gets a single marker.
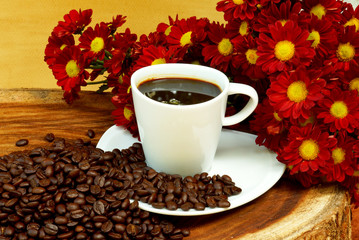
(22, 142)
(50, 137)
(90, 133)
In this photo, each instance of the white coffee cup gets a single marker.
(182, 139)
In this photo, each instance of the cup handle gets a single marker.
(238, 88)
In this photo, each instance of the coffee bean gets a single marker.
(9, 187)
(187, 206)
(38, 190)
(95, 189)
(50, 137)
(72, 193)
(77, 214)
(106, 226)
(22, 142)
(90, 133)
(61, 220)
(99, 207)
(133, 230)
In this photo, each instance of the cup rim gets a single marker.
(178, 66)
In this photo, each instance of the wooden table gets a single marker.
(287, 211)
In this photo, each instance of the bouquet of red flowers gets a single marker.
(302, 57)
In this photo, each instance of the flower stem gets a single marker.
(97, 82)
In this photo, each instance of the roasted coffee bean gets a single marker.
(22, 142)
(72, 193)
(107, 226)
(90, 133)
(50, 137)
(51, 229)
(99, 207)
(61, 220)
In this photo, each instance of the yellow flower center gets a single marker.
(168, 30)
(238, 2)
(283, 22)
(284, 50)
(354, 84)
(158, 61)
(97, 44)
(345, 52)
(276, 117)
(120, 79)
(315, 36)
(338, 155)
(186, 39)
(72, 69)
(243, 28)
(356, 173)
(127, 112)
(339, 109)
(353, 22)
(318, 10)
(252, 56)
(297, 91)
(309, 149)
(307, 121)
(63, 46)
(225, 47)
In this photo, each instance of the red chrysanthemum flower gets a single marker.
(351, 16)
(96, 41)
(234, 9)
(55, 47)
(124, 115)
(341, 163)
(324, 8)
(71, 96)
(340, 110)
(69, 69)
(221, 49)
(351, 80)
(187, 32)
(285, 48)
(166, 28)
(247, 58)
(239, 27)
(117, 22)
(263, 3)
(308, 149)
(74, 23)
(323, 37)
(121, 86)
(155, 55)
(122, 52)
(153, 38)
(347, 51)
(271, 129)
(294, 94)
(272, 14)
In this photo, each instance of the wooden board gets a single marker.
(287, 211)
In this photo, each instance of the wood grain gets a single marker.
(287, 211)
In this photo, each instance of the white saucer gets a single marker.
(253, 168)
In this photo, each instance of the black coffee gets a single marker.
(179, 91)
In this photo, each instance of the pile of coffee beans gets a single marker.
(72, 190)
